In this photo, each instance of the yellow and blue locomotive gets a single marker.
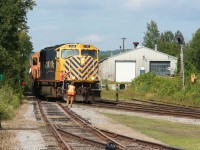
(79, 61)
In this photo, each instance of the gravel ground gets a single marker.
(94, 115)
(24, 139)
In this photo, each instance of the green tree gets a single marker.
(193, 52)
(13, 16)
(167, 36)
(151, 35)
(166, 44)
(15, 45)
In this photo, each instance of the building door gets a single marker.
(125, 71)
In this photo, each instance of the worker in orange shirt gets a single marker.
(71, 92)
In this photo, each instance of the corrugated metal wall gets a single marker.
(142, 56)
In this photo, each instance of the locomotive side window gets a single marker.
(34, 61)
(89, 53)
(68, 52)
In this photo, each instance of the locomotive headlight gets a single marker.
(82, 60)
(73, 77)
(92, 78)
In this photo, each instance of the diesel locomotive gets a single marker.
(78, 61)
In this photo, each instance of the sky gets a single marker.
(103, 23)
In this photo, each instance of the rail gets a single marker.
(148, 107)
(58, 137)
(93, 129)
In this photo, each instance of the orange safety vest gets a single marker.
(71, 90)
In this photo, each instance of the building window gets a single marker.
(161, 68)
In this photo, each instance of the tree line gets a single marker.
(166, 43)
(15, 44)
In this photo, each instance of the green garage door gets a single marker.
(160, 67)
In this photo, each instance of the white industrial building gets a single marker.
(128, 65)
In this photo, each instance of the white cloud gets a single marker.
(92, 38)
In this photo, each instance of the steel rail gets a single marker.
(164, 110)
(158, 108)
(150, 110)
(58, 137)
(164, 106)
(176, 110)
(140, 142)
(81, 139)
(165, 103)
(93, 129)
(151, 103)
(160, 105)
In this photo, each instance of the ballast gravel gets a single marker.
(96, 118)
(25, 128)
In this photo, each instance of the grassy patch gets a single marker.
(174, 134)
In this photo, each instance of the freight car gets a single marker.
(79, 61)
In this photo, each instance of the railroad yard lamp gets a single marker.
(180, 41)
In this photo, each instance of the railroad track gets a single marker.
(73, 132)
(142, 143)
(150, 107)
(69, 133)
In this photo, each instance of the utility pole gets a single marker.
(180, 41)
(123, 42)
(182, 68)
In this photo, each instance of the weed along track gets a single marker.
(73, 132)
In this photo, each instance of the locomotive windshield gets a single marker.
(91, 53)
(69, 52)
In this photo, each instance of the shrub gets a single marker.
(8, 101)
(167, 89)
